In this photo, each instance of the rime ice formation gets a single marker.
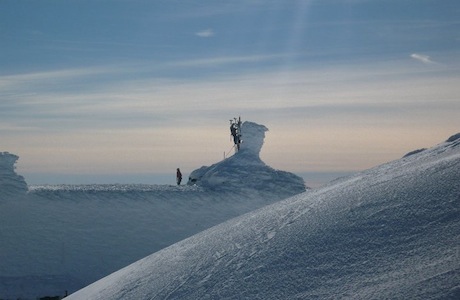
(10, 182)
(245, 169)
(453, 138)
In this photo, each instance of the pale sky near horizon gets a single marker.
(129, 90)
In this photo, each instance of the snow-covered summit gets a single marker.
(391, 232)
(245, 169)
(10, 182)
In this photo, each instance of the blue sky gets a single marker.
(127, 91)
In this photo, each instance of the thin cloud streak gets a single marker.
(54, 76)
(205, 33)
(422, 58)
(227, 60)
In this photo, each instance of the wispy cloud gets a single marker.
(54, 76)
(205, 33)
(227, 60)
(422, 58)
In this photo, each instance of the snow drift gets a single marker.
(64, 237)
(392, 232)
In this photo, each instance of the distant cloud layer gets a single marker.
(421, 57)
(205, 33)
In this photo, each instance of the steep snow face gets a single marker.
(392, 232)
(245, 169)
(10, 182)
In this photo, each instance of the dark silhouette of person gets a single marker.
(178, 176)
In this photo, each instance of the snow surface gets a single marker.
(64, 237)
(391, 232)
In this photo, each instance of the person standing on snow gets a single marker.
(178, 176)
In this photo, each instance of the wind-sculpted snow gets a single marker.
(10, 182)
(392, 232)
(245, 169)
(454, 138)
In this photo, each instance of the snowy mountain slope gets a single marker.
(69, 236)
(245, 169)
(392, 232)
(63, 237)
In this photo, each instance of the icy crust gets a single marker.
(454, 138)
(10, 182)
(118, 188)
(391, 232)
(245, 169)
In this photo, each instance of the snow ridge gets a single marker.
(453, 138)
(391, 232)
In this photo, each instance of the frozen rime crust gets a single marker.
(10, 182)
(245, 169)
(455, 137)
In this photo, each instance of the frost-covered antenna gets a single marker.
(235, 131)
(239, 128)
(231, 132)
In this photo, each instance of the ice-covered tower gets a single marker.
(245, 169)
(253, 136)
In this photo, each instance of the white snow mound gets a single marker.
(392, 232)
